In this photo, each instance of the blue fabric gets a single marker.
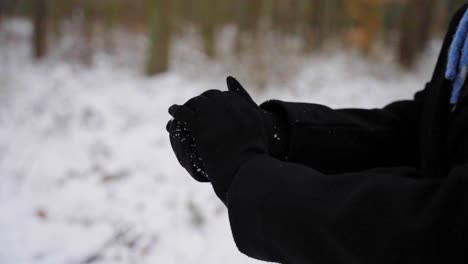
(457, 64)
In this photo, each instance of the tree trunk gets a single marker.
(208, 20)
(87, 27)
(415, 30)
(39, 39)
(160, 27)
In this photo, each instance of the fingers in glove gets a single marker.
(195, 103)
(169, 125)
(176, 128)
(211, 93)
(186, 150)
(181, 112)
(235, 86)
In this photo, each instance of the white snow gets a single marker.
(87, 174)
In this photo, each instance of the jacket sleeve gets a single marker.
(289, 213)
(344, 140)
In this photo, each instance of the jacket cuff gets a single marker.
(282, 118)
(277, 130)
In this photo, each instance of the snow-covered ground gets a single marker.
(86, 170)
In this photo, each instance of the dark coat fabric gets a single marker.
(361, 186)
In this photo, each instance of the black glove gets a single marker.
(274, 120)
(227, 129)
(188, 149)
(185, 150)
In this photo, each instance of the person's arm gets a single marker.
(289, 213)
(346, 140)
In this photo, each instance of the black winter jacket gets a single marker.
(361, 186)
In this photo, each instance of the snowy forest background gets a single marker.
(86, 170)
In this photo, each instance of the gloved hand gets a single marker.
(183, 143)
(227, 129)
(186, 150)
(275, 123)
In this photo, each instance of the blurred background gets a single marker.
(398, 28)
(86, 170)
